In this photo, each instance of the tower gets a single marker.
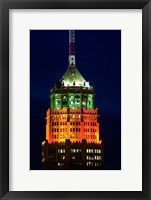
(72, 122)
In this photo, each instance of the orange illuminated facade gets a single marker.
(72, 122)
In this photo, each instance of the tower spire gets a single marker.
(71, 48)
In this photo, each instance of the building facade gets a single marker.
(73, 138)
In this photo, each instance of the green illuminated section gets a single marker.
(72, 100)
(90, 102)
(72, 91)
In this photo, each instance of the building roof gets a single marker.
(73, 77)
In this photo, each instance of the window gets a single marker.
(71, 135)
(90, 150)
(77, 135)
(98, 157)
(73, 150)
(63, 151)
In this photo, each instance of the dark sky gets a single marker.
(98, 58)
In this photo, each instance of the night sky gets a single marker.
(98, 58)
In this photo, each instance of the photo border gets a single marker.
(4, 94)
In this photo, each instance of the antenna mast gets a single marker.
(71, 48)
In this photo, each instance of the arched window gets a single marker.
(73, 82)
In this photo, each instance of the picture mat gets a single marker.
(129, 178)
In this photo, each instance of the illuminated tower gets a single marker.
(72, 122)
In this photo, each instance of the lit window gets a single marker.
(61, 150)
(73, 150)
(99, 157)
